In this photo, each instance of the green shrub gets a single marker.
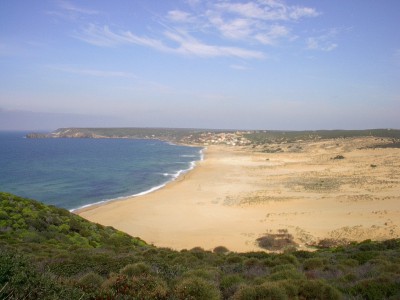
(266, 291)
(290, 286)
(136, 269)
(144, 287)
(220, 250)
(195, 288)
(313, 263)
(229, 285)
(90, 282)
(148, 287)
(234, 259)
(364, 256)
(210, 274)
(383, 287)
(286, 274)
(318, 290)
(283, 267)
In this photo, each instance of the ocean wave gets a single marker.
(173, 176)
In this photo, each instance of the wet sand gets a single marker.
(236, 195)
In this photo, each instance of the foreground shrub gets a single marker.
(136, 269)
(318, 290)
(229, 285)
(138, 287)
(90, 282)
(266, 291)
(195, 288)
(383, 287)
(210, 274)
(313, 263)
(286, 274)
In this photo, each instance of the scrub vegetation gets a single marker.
(50, 253)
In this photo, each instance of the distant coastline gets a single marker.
(257, 139)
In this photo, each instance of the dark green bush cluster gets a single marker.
(49, 253)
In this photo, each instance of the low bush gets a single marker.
(136, 269)
(229, 285)
(266, 291)
(196, 288)
(221, 250)
(90, 282)
(383, 287)
(318, 290)
(313, 263)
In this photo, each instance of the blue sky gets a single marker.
(255, 64)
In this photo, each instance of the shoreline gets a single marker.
(235, 196)
(175, 177)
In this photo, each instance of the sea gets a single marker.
(75, 173)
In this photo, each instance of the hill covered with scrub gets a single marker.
(254, 138)
(50, 253)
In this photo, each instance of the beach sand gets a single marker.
(236, 195)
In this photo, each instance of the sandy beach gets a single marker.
(236, 195)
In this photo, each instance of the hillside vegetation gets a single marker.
(230, 137)
(50, 253)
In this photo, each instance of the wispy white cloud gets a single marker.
(66, 10)
(91, 72)
(323, 42)
(186, 44)
(179, 16)
(263, 21)
(68, 6)
(227, 24)
(268, 10)
(239, 67)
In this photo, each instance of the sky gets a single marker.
(250, 64)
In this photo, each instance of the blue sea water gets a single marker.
(73, 173)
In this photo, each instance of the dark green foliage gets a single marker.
(90, 282)
(381, 287)
(313, 263)
(196, 288)
(144, 287)
(136, 269)
(318, 290)
(229, 285)
(221, 250)
(266, 291)
(49, 253)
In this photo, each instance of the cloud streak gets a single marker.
(91, 72)
(323, 42)
(186, 44)
(227, 24)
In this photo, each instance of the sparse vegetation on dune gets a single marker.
(49, 253)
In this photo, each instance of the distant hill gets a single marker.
(50, 253)
(208, 136)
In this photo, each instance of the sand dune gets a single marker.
(237, 195)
